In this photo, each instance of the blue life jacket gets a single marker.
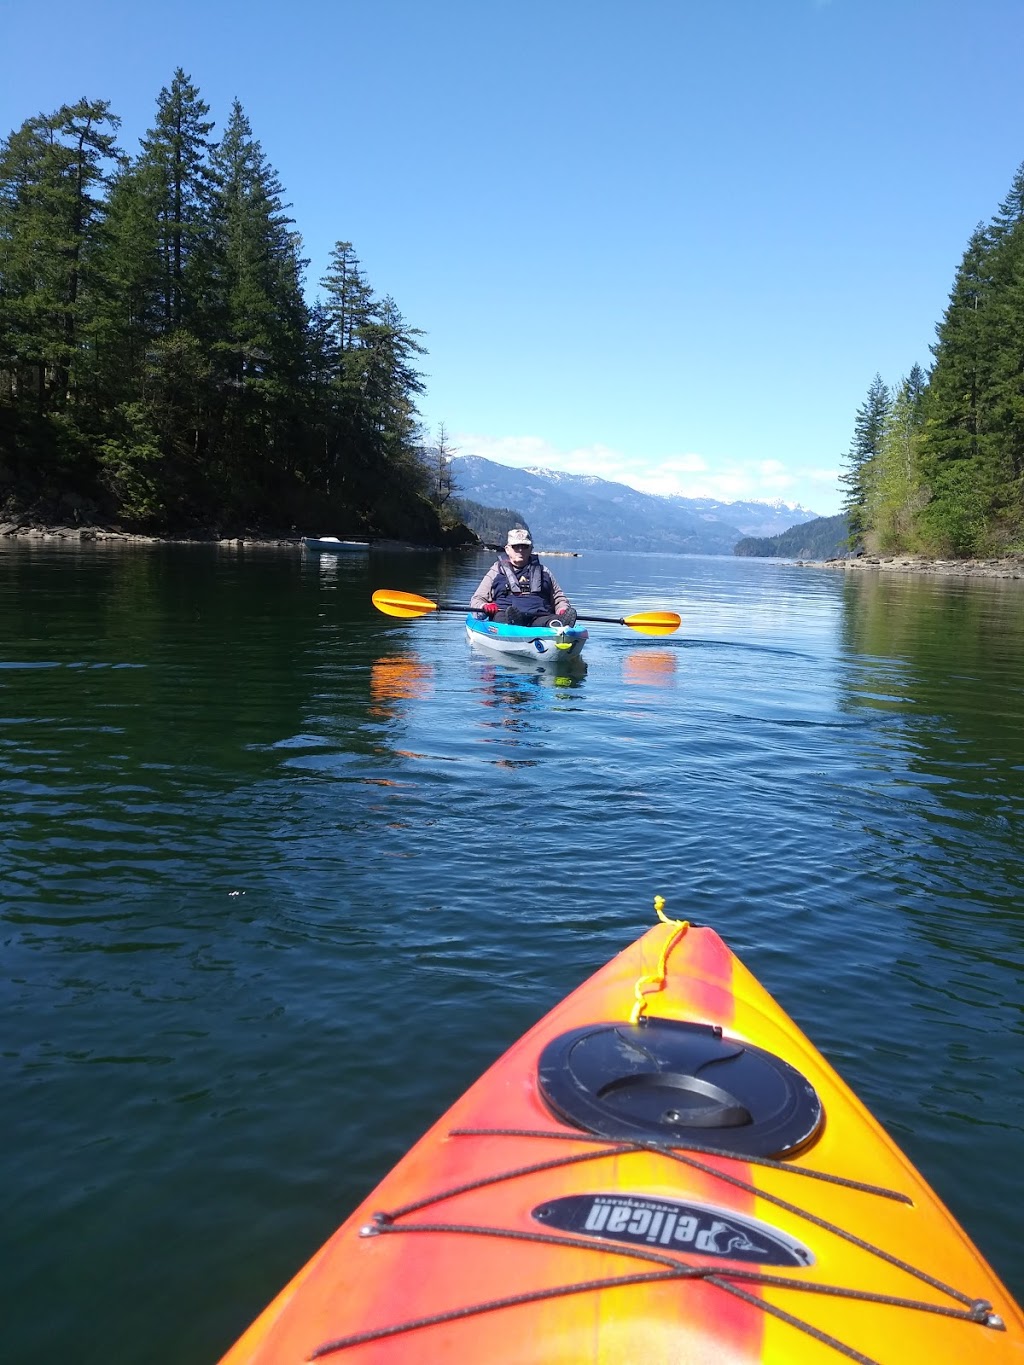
(528, 588)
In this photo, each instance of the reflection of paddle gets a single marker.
(400, 679)
(650, 667)
(407, 604)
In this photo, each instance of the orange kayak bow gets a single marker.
(663, 1169)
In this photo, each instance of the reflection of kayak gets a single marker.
(333, 544)
(697, 1186)
(540, 644)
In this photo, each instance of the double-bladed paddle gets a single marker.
(409, 604)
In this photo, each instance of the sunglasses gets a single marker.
(520, 547)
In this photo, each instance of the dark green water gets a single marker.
(281, 876)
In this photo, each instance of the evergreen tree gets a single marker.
(260, 315)
(916, 386)
(260, 269)
(958, 436)
(390, 384)
(1010, 212)
(437, 460)
(868, 428)
(350, 302)
(349, 308)
(175, 169)
(1004, 325)
(319, 454)
(893, 484)
(373, 422)
(128, 316)
(163, 214)
(53, 171)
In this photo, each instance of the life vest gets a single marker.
(523, 588)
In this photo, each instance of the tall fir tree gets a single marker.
(129, 316)
(1004, 471)
(53, 173)
(261, 316)
(352, 452)
(170, 185)
(958, 440)
(868, 429)
(175, 168)
(391, 385)
(350, 301)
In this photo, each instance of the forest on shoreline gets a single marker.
(936, 465)
(160, 366)
(163, 371)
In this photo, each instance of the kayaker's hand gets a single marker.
(567, 616)
(490, 608)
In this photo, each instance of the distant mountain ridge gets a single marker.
(584, 512)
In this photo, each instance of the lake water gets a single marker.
(282, 875)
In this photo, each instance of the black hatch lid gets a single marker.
(678, 1083)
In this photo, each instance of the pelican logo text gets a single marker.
(673, 1225)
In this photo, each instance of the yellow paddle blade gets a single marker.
(393, 603)
(654, 622)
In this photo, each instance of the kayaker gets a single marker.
(517, 588)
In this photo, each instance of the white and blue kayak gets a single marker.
(332, 545)
(537, 644)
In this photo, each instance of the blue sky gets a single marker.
(667, 242)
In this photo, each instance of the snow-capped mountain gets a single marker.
(583, 512)
(769, 517)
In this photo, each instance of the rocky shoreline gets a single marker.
(1007, 567)
(1010, 566)
(18, 531)
(250, 540)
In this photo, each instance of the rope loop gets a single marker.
(648, 985)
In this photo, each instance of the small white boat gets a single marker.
(332, 545)
(538, 644)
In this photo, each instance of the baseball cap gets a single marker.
(519, 535)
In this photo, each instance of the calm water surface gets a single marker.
(281, 876)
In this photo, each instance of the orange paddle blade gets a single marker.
(654, 622)
(393, 603)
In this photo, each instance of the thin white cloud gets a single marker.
(686, 473)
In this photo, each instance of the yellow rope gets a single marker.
(649, 984)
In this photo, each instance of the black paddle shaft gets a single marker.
(611, 620)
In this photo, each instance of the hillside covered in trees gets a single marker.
(822, 538)
(160, 365)
(490, 524)
(936, 465)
